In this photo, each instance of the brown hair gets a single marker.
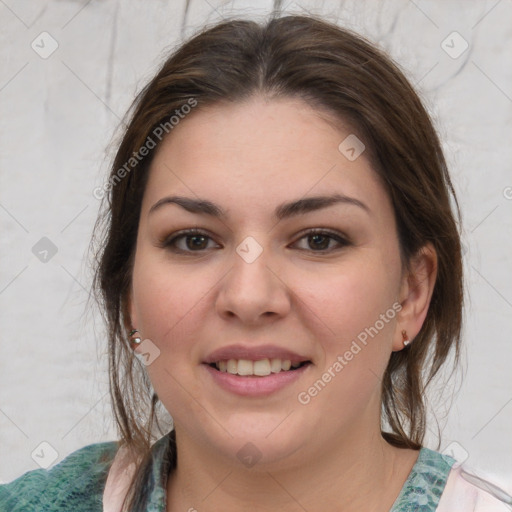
(337, 72)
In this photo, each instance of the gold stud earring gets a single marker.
(405, 338)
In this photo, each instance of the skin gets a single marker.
(327, 455)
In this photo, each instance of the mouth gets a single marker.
(258, 368)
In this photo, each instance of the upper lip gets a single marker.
(254, 354)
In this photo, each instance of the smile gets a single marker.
(248, 378)
(260, 368)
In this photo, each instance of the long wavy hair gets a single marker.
(333, 70)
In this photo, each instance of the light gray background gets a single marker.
(58, 116)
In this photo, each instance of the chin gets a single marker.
(261, 445)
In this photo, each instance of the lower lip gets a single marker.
(253, 385)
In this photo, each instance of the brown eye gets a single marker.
(188, 241)
(196, 242)
(319, 241)
(323, 241)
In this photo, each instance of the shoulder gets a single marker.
(466, 490)
(76, 483)
(438, 483)
(425, 482)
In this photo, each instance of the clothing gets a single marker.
(77, 484)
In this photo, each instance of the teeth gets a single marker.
(261, 368)
(275, 365)
(245, 367)
(231, 367)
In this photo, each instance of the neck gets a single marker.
(357, 474)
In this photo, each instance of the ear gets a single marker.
(416, 292)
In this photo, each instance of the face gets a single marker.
(318, 285)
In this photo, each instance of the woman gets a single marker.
(281, 271)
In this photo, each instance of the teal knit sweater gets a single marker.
(76, 484)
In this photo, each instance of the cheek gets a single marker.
(171, 308)
(357, 308)
(350, 301)
(356, 296)
(168, 302)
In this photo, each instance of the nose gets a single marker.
(252, 291)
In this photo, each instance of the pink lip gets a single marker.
(255, 386)
(254, 354)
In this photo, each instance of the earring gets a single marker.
(135, 340)
(405, 339)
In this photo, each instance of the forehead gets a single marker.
(258, 153)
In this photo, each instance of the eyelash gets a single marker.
(169, 243)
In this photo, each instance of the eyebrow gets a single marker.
(283, 211)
